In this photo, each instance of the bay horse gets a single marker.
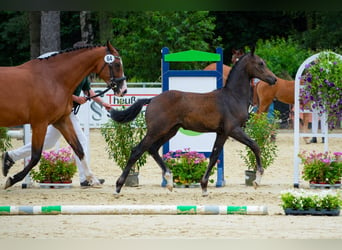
(39, 93)
(223, 111)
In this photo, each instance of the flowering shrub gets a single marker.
(321, 167)
(187, 166)
(304, 200)
(261, 129)
(323, 86)
(55, 166)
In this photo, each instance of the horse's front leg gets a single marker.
(241, 136)
(38, 136)
(66, 127)
(218, 146)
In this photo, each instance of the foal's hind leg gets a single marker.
(154, 152)
(38, 136)
(218, 146)
(136, 153)
(241, 136)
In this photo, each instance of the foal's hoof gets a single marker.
(205, 193)
(169, 187)
(9, 182)
(255, 184)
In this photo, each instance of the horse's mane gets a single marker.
(71, 50)
(233, 69)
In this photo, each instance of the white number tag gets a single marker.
(109, 58)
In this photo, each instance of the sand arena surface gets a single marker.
(276, 225)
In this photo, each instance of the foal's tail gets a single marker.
(129, 114)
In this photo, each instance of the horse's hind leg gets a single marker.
(136, 153)
(66, 127)
(217, 148)
(38, 136)
(154, 152)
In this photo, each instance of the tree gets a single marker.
(140, 36)
(50, 31)
(87, 32)
(34, 17)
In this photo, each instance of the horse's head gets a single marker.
(256, 68)
(112, 71)
(236, 54)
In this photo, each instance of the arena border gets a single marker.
(134, 210)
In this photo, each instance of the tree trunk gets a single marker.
(105, 26)
(34, 19)
(87, 33)
(50, 37)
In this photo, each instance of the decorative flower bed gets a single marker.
(322, 168)
(187, 167)
(302, 202)
(55, 167)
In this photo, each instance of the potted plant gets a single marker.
(322, 169)
(5, 140)
(322, 87)
(187, 167)
(302, 202)
(263, 131)
(120, 139)
(56, 168)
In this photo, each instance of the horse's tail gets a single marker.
(129, 114)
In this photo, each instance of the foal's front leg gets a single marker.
(218, 146)
(241, 136)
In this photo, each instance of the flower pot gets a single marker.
(312, 211)
(325, 185)
(55, 185)
(192, 185)
(250, 177)
(132, 180)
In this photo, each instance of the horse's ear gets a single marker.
(108, 44)
(252, 49)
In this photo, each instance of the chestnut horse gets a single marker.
(39, 92)
(223, 111)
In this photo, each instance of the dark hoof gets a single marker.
(7, 163)
(9, 182)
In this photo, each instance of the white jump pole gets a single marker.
(133, 210)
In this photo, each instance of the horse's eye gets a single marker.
(261, 63)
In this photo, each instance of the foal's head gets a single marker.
(112, 71)
(256, 68)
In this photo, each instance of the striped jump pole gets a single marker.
(133, 210)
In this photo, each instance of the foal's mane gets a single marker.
(234, 69)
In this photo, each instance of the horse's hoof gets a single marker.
(8, 183)
(116, 194)
(205, 194)
(169, 187)
(255, 184)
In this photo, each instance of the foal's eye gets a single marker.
(261, 63)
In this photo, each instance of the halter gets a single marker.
(108, 60)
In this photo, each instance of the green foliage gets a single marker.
(5, 140)
(55, 167)
(323, 85)
(122, 137)
(261, 130)
(304, 200)
(283, 56)
(140, 36)
(187, 167)
(321, 167)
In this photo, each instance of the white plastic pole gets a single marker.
(133, 210)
